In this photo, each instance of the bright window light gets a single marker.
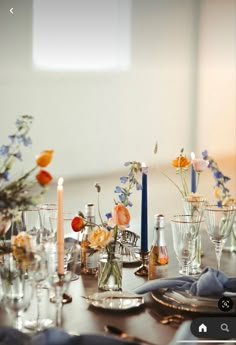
(81, 34)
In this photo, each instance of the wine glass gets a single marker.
(32, 224)
(69, 239)
(185, 229)
(219, 222)
(17, 288)
(38, 273)
(60, 276)
(47, 233)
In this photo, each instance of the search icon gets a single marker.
(224, 327)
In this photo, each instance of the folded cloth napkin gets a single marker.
(11, 336)
(211, 282)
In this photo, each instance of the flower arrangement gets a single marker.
(20, 193)
(105, 236)
(182, 164)
(220, 191)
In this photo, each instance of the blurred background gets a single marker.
(105, 80)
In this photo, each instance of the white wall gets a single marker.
(97, 121)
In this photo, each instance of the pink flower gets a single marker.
(120, 215)
(199, 165)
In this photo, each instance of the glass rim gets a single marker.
(218, 208)
(195, 219)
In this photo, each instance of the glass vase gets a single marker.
(194, 206)
(110, 272)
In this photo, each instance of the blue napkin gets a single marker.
(210, 283)
(56, 336)
(11, 336)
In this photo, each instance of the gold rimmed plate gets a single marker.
(183, 300)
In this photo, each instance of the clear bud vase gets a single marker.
(193, 205)
(110, 272)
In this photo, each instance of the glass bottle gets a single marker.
(89, 258)
(158, 257)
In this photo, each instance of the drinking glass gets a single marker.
(219, 223)
(32, 224)
(193, 205)
(48, 233)
(59, 276)
(38, 274)
(185, 229)
(17, 288)
(69, 237)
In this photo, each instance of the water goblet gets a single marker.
(17, 288)
(219, 222)
(185, 229)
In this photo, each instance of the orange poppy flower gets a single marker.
(181, 162)
(44, 177)
(77, 224)
(44, 158)
(120, 215)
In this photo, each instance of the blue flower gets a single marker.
(117, 189)
(123, 179)
(139, 186)
(4, 150)
(122, 197)
(108, 215)
(18, 155)
(218, 174)
(205, 154)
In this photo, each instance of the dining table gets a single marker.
(79, 317)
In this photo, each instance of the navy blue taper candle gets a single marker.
(144, 212)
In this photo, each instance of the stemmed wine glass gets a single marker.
(219, 222)
(17, 288)
(185, 230)
(60, 276)
(38, 274)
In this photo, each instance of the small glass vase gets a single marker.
(110, 272)
(194, 206)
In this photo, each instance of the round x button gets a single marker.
(225, 303)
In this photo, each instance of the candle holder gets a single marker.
(143, 269)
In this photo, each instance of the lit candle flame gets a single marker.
(60, 181)
(192, 155)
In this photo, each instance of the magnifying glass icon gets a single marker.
(224, 327)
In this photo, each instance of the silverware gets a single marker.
(122, 334)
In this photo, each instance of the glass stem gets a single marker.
(218, 251)
(58, 300)
(18, 321)
(38, 295)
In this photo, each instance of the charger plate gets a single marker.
(183, 300)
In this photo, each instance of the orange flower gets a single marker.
(77, 224)
(43, 177)
(120, 215)
(99, 237)
(181, 162)
(44, 158)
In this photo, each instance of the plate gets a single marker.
(183, 300)
(115, 300)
